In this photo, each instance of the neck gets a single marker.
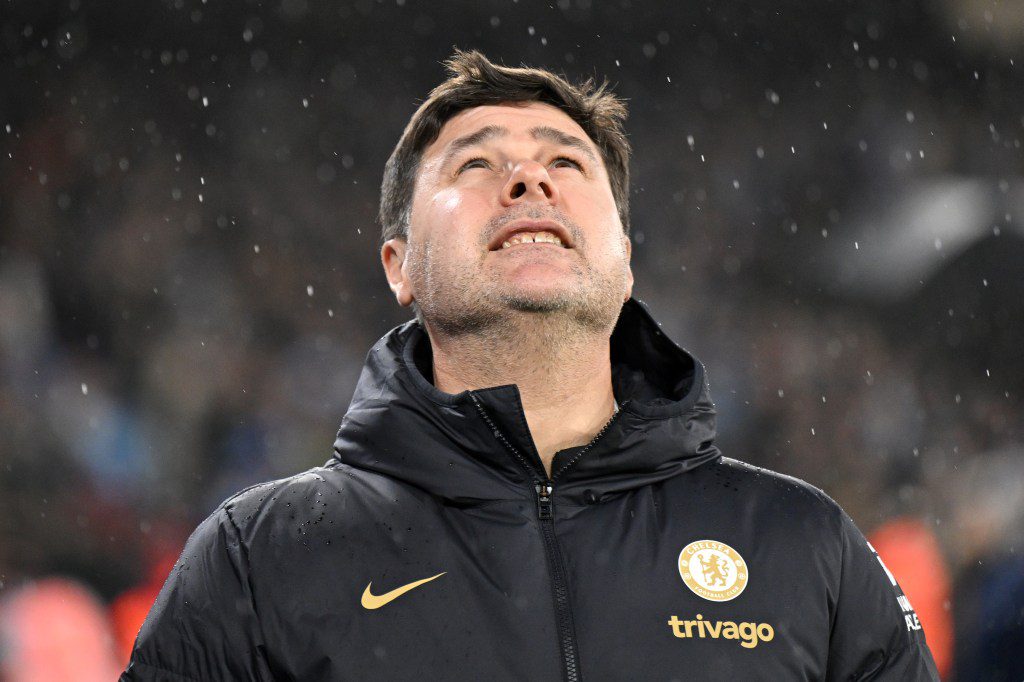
(564, 376)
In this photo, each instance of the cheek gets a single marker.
(458, 213)
(588, 199)
(448, 210)
(447, 203)
(599, 213)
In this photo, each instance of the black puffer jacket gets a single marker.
(432, 545)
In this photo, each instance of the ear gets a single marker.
(392, 257)
(629, 268)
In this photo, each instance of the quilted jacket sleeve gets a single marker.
(203, 625)
(875, 632)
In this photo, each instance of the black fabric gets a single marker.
(425, 483)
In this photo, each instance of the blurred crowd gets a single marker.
(189, 278)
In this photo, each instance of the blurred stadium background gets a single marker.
(828, 211)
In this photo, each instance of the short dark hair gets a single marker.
(475, 81)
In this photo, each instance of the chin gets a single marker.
(537, 299)
(533, 305)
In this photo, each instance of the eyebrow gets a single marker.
(472, 140)
(564, 139)
(489, 132)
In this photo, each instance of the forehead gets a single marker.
(518, 118)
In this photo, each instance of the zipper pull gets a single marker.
(544, 491)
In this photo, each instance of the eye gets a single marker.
(477, 162)
(566, 162)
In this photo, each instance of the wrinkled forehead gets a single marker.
(517, 117)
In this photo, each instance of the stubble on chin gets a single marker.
(464, 302)
(590, 306)
(492, 315)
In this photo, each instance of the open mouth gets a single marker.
(523, 232)
(542, 237)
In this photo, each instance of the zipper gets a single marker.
(544, 488)
(544, 491)
(559, 585)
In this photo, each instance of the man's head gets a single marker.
(508, 193)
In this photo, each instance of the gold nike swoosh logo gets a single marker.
(373, 601)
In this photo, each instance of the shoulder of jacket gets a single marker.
(279, 492)
(307, 496)
(788, 490)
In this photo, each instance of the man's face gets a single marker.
(512, 214)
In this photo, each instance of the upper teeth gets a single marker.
(531, 238)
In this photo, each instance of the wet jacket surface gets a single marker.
(646, 555)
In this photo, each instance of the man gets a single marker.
(526, 485)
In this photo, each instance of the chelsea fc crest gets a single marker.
(713, 570)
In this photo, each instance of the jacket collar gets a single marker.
(463, 446)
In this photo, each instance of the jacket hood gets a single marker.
(460, 446)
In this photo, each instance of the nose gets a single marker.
(529, 181)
